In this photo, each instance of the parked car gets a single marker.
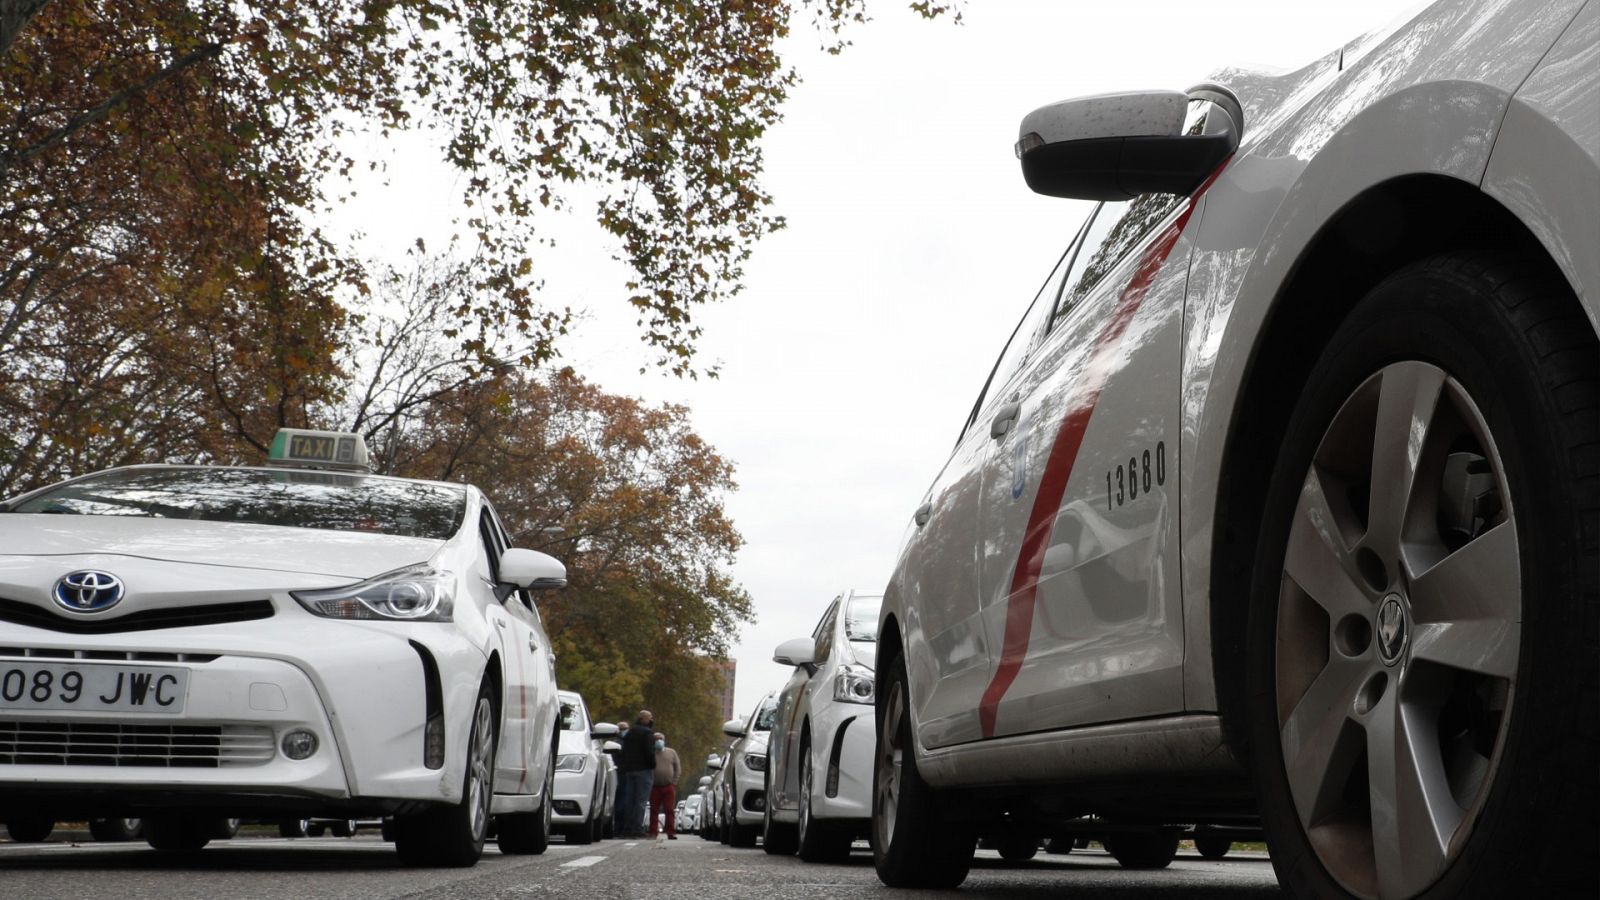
(819, 761)
(716, 822)
(706, 825)
(1282, 497)
(689, 814)
(126, 598)
(580, 811)
(610, 750)
(744, 779)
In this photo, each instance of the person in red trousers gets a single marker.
(664, 793)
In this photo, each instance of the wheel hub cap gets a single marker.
(1392, 630)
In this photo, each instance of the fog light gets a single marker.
(299, 744)
(433, 742)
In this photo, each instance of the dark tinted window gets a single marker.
(325, 500)
(823, 636)
(1118, 227)
(573, 717)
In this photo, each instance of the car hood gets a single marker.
(571, 742)
(56, 542)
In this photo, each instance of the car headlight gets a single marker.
(571, 762)
(756, 762)
(853, 684)
(413, 594)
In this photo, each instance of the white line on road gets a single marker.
(582, 862)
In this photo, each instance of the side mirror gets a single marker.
(704, 780)
(733, 728)
(532, 570)
(1118, 146)
(713, 762)
(798, 652)
(602, 730)
(611, 747)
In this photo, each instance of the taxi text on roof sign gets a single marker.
(319, 450)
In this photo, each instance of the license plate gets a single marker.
(135, 689)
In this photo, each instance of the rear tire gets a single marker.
(225, 829)
(453, 836)
(180, 833)
(1502, 729)
(1058, 846)
(1213, 847)
(777, 838)
(529, 833)
(1018, 848)
(1143, 851)
(29, 829)
(115, 830)
(912, 845)
(294, 828)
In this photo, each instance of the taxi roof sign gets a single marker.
(303, 448)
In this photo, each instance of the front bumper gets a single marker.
(843, 761)
(575, 788)
(358, 686)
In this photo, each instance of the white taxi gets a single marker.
(582, 782)
(1281, 507)
(187, 643)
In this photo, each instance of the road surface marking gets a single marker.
(582, 862)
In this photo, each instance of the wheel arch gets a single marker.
(1382, 229)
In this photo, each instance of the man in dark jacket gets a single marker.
(636, 765)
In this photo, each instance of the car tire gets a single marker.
(529, 833)
(178, 833)
(1496, 374)
(225, 829)
(29, 829)
(316, 829)
(115, 830)
(294, 828)
(817, 841)
(1017, 847)
(1212, 847)
(1154, 850)
(344, 828)
(777, 838)
(453, 835)
(912, 844)
(386, 831)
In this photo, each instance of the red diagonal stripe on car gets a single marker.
(1063, 455)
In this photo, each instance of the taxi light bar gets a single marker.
(305, 449)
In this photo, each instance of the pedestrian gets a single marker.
(637, 765)
(664, 794)
(620, 803)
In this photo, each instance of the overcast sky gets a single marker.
(867, 327)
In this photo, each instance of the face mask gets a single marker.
(661, 745)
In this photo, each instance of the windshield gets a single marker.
(861, 619)
(766, 715)
(573, 717)
(324, 500)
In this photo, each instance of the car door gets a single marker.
(794, 704)
(516, 770)
(1078, 532)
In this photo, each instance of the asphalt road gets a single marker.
(686, 869)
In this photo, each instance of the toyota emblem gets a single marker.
(88, 591)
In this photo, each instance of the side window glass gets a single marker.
(824, 634)
(491, 543)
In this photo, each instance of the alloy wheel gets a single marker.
(887, 772)
(1398, 632)
(480, 762)
(805, 793)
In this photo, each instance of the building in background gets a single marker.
(724, 686)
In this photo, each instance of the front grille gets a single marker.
(145, 620)
(118, 655)
(128, 744)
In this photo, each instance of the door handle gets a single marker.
(923, 514)
(499, 623)
(533, 645)
(1004, 418)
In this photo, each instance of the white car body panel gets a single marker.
(1501, 95)
(358, 684)
(586, 788)
(806, 706)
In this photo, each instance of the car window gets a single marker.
(765, 716)
(861, 619)
(573, 717)
(1117, 228)
(323, 500)
(823, 636)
